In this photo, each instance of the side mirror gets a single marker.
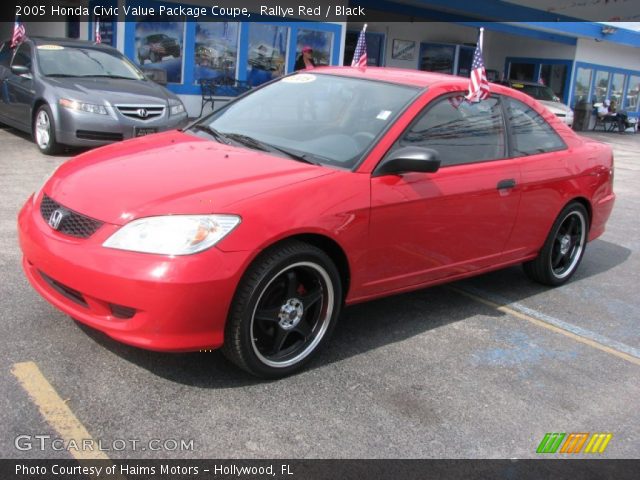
(20, 70)
(409, 159)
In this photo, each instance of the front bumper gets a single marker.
(175, 303)
(83, 129)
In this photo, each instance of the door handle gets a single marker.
(506, 183)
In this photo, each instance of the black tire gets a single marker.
(563, 249)
(284, 310)
(153, 56)
(43, 121)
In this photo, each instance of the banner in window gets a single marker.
(159, 47)
(215, 51)
(267, 53)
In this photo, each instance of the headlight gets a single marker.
(177, 109)
(82, 107)
(173, 234)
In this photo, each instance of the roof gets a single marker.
(402, 76)
(414, 78)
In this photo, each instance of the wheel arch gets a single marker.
(325, 243)
(40, 101)
(586, 204)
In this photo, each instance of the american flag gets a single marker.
(478, 83)
(98, 35)
(18, 33)
(360, 54)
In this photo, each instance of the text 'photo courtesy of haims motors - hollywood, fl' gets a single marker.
(310, 240)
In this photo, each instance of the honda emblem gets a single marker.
(56, 218)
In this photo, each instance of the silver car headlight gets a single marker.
(176, 109)
(173, 234)
(82, 107)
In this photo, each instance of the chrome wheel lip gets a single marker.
(325, 320)
(577, 249)
(43, 129)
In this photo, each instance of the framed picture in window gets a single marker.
(403, 49)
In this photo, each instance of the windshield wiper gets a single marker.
(267, 147)
(211, 131)
(109, 76)
(62, 75)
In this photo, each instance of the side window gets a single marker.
(5, 55)
(530, 132)
(22, 56)
(461, 132)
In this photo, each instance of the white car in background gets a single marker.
(545, 96)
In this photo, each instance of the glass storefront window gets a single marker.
(320, 42)
(465, 60)
(215, 51)
(601, 87)
(437, 58)
(267, 52)
(617, 83)
(554, 76)
(522, 71)
(633, 93)
(159, 46)
(583, 82)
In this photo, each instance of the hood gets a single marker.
(112, 90)
(170, 173)
(555, 107)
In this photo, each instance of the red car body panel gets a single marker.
(396, 232)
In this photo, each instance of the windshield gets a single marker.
(318, 118)
(55, 60)
(539, 92)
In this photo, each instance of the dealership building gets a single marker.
(580, 60)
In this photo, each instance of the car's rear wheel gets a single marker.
(284, 310)
(44, 132)
(563, 250)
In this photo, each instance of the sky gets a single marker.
(628, 25)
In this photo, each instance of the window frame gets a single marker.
(512, 140)
(507, 138)
(508, 131)
(31, 55)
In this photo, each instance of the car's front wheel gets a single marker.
(44, 132)
(563, 250)
(284, 310)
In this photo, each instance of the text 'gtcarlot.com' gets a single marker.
(47, 442)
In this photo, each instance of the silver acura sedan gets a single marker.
(70, 92)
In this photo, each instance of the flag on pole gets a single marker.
(360, 53)
(18, 33)
(478, 83)
(98, 37)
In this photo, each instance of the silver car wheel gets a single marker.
(43, 129)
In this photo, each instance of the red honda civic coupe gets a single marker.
(250, 229)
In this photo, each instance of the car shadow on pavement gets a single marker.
(367, 326)
(66, 151)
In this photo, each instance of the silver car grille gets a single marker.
(141, 112)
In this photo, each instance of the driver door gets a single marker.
(429, 226)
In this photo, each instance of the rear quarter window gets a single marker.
(530, 133)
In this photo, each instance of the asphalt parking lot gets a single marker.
(478, 369)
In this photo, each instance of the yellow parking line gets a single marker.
(548, 326)
(55, 410)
